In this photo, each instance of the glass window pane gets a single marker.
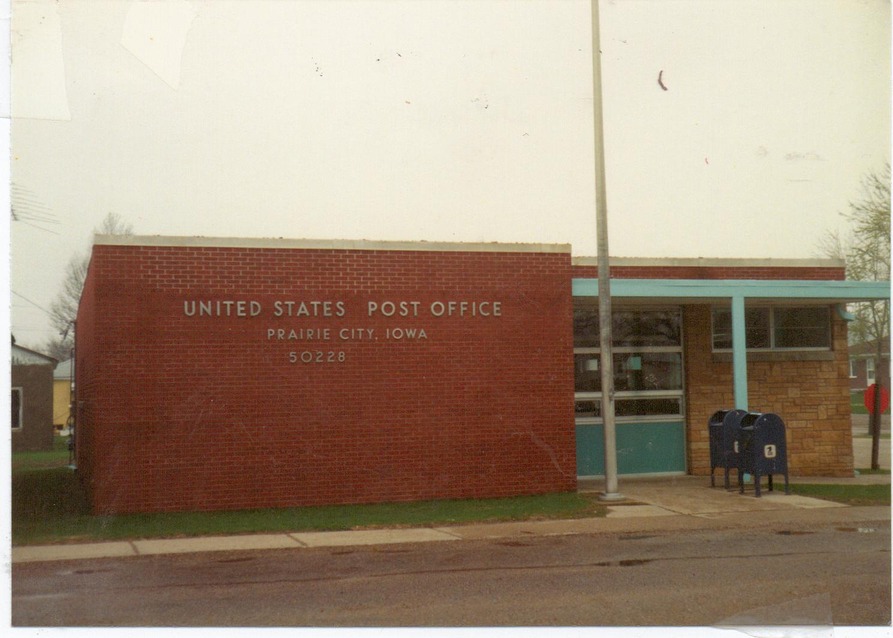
(630, 327)
(587, 377)
(648, 407)
(586, 330)
(722, 329)
(756, 328)
(632, 371)
(756, 323)
(648, 371)
(590, 408)
(806, 327)
(647, 327)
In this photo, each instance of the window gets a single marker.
(869, 371)
(16, 409)
(629, 327)
(808, 327)
(636, 370)
(647, 361)
(776, 328)
(756, 328)
(853, 374)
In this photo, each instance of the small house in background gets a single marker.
(32, 400)
(61, 396)
(865, 369)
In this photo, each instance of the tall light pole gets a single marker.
(606, 336)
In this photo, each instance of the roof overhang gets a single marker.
(701, 290)
(25, 357)
(712, 262)
(738, 293)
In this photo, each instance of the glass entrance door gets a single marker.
(648, 384)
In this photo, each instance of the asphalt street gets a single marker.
(677, 553)
(813, 573)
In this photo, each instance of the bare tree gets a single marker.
(64, 308)
(866, 250)
(869, 256)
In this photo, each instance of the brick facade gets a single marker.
(229, 374)
(809, 391)
(190, 397)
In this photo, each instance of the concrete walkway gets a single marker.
(669, 504)
(862, 442)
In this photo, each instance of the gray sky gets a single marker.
(441, 120)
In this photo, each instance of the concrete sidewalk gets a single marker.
(862, 448)
(666, 504)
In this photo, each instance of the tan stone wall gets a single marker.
(809, 391)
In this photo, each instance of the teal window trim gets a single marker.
(831, 291)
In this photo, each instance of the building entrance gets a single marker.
(648, 385)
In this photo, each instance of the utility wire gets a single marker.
(38, 306)
(28, 209)
(47, 230)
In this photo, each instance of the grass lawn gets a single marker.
(36, 460)
(849, 494)
(49, 506)
(885, 436)
(857, 403)
(870, 471)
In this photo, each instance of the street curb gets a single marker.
(642, 519)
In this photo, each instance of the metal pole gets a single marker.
(606, 336)
(73, 402)
(875, 416)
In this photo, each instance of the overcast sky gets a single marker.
(441, 120)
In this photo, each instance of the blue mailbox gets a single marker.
(764, 449)
(724, 428)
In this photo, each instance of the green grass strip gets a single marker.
(848, 494)
(49, 506)
(857, 403)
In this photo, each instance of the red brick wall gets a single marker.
(809, 391)
(207, 412)
(85, 374)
